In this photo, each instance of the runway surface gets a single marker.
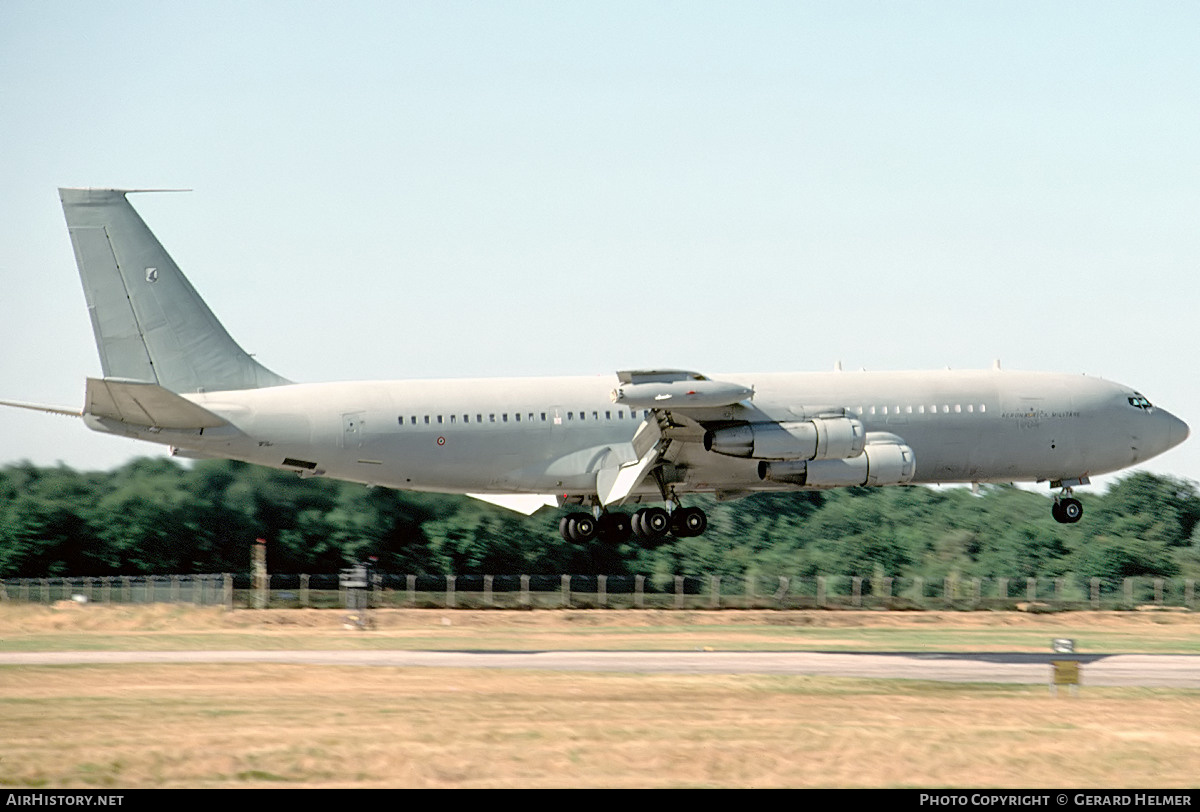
(1174, 670)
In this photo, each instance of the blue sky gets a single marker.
(390, 190)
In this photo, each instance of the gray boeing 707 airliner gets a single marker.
(173, 375)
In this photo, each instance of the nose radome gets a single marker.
(1177, 430)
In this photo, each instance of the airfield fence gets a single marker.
(237, 591)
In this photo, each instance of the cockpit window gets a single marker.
(1139, 400)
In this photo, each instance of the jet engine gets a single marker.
(822, 438)
(886, 460)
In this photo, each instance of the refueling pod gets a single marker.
(886, 460)
(675, 389)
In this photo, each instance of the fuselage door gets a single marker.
(353, 426)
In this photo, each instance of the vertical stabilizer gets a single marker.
(150, 323)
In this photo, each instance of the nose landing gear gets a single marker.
(1066, 509)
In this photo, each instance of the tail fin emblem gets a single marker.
(152, 274)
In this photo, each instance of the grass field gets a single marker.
(305, 726)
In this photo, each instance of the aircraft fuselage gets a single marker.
(552, 435)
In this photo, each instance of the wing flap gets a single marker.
(139, 403)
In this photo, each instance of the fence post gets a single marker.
(715, 582)
(1129, 591)
(602, 590)
(1189, 593)
(1002, 588)
(487, 590)
(639, 598)
(1095, 593)
(1031, 589)
(1158, 591)
(526, 598)
(678, 591)
(450, 591)
(228, 589)
(410, 582)
(1058, 589)
(304, 589)
(566, 591)
(821, 591)
(856, 591)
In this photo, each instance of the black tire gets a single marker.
(654, 522)
(581, 527)
(614, 528)
(688, 522)
(1072, 510)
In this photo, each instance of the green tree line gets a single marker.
(156, 516)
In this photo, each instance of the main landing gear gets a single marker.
(651, 525)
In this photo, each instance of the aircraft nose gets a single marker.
(1177, 430)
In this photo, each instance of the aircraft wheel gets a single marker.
(581, 527)
(1072, 510)
(1067, 511)
(614, 528)
(564, 531)
(688, 522)
(651, 524)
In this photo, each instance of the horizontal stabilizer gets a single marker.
(35, 407)
(146, 404)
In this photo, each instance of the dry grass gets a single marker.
(270, 725)
(305, 726)
(67, 626)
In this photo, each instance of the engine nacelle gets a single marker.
(885, 461)
(822, 438)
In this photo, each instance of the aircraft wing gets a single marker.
(672, 396)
